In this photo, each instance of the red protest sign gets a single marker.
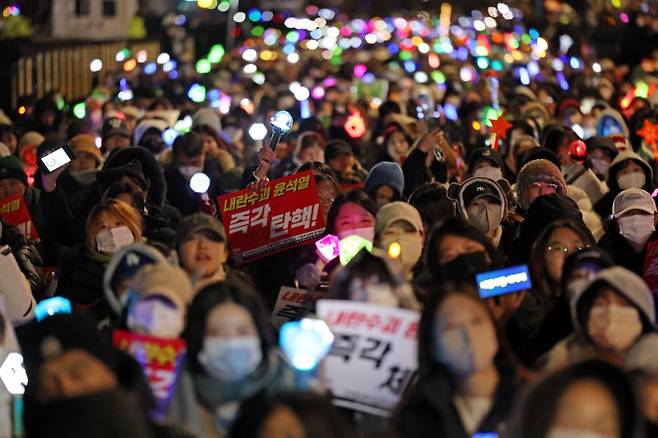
(13, 211)
(161, 360)
(283, 215)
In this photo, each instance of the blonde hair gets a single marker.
(117, 208)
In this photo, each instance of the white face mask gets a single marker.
(189, 171)
(156, 318)
(636, 228)
(614, 327)
(411, 248)
(494, 173)
(367, 233)
(231, 359)
(467, 349)
(572, 433)
(633, 180)
(110, 241)
(600, 166)
(485, 218)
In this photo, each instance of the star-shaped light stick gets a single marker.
(500, 126)
(649, 134)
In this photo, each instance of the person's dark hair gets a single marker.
(307, 140)
(536, 265)
(135, 192)
(536, 410)
(231, 291)
(431, 201)
(323, 178)
(318, 416)
(207, 130)
(363, 265)
(189, 145)
(456, 227)
(389, 107)
(317, 168)
(357, 197)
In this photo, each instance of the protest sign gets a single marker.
(283, 215)
(161, 360)
(374, 354)
(650, 272)
(13, 211)
(293, 304)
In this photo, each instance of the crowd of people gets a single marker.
(455, 169)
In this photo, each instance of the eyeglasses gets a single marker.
(564, 250)
(544, 185)
(324, 200)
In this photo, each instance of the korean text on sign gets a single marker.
(13, 211)
(293, 304)
(373, 356)
(283, 215)
(161, 360)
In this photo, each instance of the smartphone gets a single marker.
(56, 159)
(485, 435)
(503, 281)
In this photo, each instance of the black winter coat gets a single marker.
(429, 411)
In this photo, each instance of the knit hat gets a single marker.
(200, 222)
(385, 173)
(114, 126)
(643, 356)
(627, 284)
(398, 211)
(147, 124)
(30, 138)
(12, 167)
(484, 154)
(57, 334)
(87, 144)
(207, 117)
(633, 199)
(125, 263)
(163, 279)
(538, 171)
(132, 169)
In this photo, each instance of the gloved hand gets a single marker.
(308, 276)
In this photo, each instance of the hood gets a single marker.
(150, 167)
(456, 191)
(615, 166)
(627, 284)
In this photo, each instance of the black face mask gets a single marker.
(464, 267)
